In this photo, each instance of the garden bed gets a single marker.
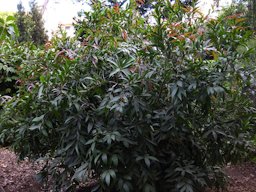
(17, 176)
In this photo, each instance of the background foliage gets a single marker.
(243, 7)
(30, 24)
(8, 32)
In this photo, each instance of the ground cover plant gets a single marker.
(137, 104)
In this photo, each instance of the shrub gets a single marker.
(8, 33)
(16, 59)
(138, 106)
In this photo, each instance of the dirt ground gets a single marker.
(19, 177)
(16, 177)
(242, 178)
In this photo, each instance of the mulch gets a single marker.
(242, 178)
(20, 176)
(17, 176)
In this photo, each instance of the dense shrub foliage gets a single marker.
(17, 60)
(8, 32)
(139, 105)
(7, 27)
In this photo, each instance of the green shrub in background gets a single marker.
(14, 57)
(137, 106)
(242, 7)
(8, 33)
(8, 29)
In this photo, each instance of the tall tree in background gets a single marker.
(23, 22)
(30, 24)
(38, 31)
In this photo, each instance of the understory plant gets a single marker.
(152, 105)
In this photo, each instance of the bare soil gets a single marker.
(17, 176)
(20, 176)
(242, 178)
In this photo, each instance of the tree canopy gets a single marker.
(31, 24)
